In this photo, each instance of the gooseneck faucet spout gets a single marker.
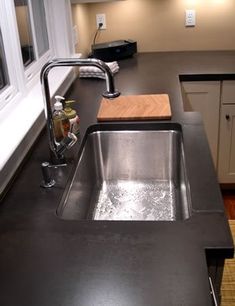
(57, 148)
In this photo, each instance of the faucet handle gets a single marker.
(67, 143)
(73, 138)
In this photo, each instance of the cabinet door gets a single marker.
(228, 92)
(226, 164)
(204, 97)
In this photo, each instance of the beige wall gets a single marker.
(23, 25)
(80, 15)
(158, 25)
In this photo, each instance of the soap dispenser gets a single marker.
(60, 120)
(71, 114)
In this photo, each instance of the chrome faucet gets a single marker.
(56, 148)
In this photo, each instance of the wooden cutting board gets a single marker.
(140, 107)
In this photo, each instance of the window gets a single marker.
(25, 31)
(24, 46)
(30, 35)
(21, 102)
(33, 36)
(4, 80)
(40, 27)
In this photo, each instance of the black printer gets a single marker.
(114, 50)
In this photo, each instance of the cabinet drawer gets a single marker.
(228, 92)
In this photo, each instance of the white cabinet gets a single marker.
(226, 164)
(215, 100)
(228, 92)
(204, 97)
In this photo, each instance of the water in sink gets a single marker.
(131, 174)
(133, 200)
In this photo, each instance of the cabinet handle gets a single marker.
(227, 117)
(213, 292)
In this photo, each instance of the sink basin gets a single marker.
(129, 172)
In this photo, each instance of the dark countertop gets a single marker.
(48, 261)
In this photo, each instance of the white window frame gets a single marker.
(32, 70)
(12, 58)
(21, 104)
(21, 80)
(59, 26)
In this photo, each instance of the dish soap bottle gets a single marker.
(60, 120)
(72, 116)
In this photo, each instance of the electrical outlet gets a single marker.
(190, 18)
(101, 18)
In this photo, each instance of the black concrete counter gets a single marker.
(48, 261)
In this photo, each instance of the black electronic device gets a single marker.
(114, 50)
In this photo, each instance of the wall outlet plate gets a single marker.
(101, 18)
(190, 18)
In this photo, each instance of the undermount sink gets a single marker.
(129, 172)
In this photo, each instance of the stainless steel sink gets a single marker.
(131, 172)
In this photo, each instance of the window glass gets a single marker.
(39, 21)
(31, 21)
(25, 31)
(4, 81)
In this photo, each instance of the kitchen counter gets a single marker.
(45, 260)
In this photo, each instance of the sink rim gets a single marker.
(125, 127)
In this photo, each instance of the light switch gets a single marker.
(190, 18)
